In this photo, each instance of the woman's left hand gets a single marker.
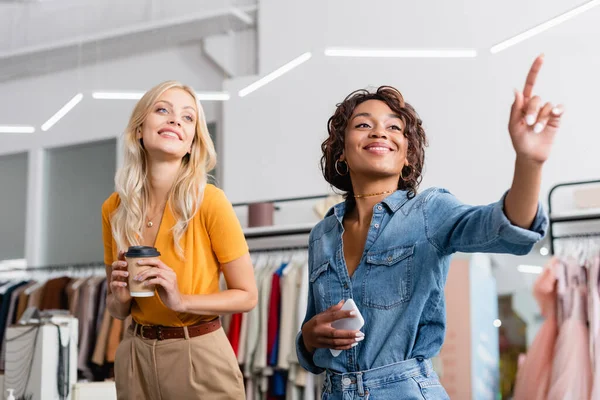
(533, 124)
(165, 280)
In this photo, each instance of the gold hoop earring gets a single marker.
(337, 169)
(402, 170)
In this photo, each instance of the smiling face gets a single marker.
(170, 126)
(375, 145)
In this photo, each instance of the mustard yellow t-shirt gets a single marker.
(213, 237)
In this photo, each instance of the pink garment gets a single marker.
(571, 370)
(594, 322)
(533, 376)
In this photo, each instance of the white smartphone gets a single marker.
(351, 324)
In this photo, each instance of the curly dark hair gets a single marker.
(333, 146)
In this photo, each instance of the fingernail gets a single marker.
(126, 273)
(352, 313)
(354, 344)
(556, 111)
(360, 334)
(136, 278)
(359, 339)
(538, 127)
(530, 119)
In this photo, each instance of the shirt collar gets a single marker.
(394, 202)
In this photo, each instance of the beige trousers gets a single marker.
(202, 367)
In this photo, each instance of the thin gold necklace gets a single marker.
(150, 224)
(373, 194)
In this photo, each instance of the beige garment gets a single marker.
(242, 342)
(35, 296)
(259, 362)
(203, 367)
(86, 315)
(225, 319)
(114, 338)
(302, 378)
(99, 355)
(253, 333)
(14, 302)
(287, 323)
(22, 305)
(73, 293)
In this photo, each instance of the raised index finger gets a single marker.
(532, 76)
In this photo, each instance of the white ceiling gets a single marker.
(47, 36)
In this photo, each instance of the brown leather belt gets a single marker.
(156, 332)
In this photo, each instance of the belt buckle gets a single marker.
(142, 332)
(159, 335)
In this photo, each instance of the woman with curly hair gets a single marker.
(175, 347)
(388, 247)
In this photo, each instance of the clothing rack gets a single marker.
(282, 248)
(278, 238)
(284, 200)
(555, 219)
(57, 268)
(278, 231)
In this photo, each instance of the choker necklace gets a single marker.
(373, 194)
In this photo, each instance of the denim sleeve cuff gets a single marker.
(305, 358)
(517, 235)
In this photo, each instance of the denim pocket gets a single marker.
(431, 388)
(389, 278)
(320, 281)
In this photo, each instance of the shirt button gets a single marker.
(379, 208)
(376, 226)
(346, 381)
(345, 285)
(390, 258)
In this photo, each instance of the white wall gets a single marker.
(78, 180)
(272, 136)
(13, 180)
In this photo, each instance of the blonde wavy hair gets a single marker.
(131, 180)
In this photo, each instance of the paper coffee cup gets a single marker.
(134, 253)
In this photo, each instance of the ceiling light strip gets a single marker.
(16, 129)
(62, 112)
(544, 26)
(212, 96)
(275, 74)
(400, 53)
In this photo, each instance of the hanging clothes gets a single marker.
(84, 298)
(537, 366)
(265, 336)
(571, 370)
(563, 361)
(594, 321)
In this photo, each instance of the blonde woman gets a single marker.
(175, 347)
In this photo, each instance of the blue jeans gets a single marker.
(406, 380)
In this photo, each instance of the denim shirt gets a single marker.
(399, 283)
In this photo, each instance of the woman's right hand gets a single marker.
(118, 280)
(318, 332)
